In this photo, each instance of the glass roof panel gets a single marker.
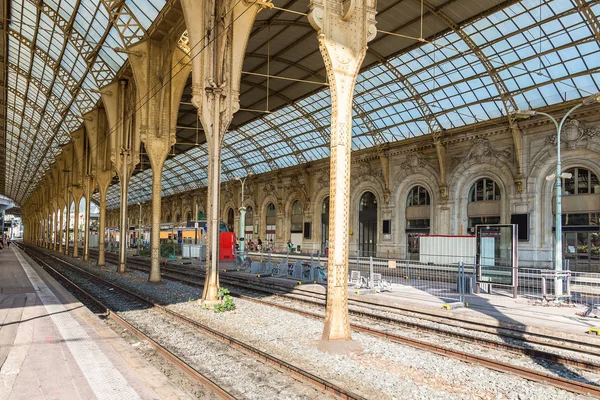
(48, 69)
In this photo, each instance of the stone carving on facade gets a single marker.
(298, 184)
(365, 169)
(574, 133)
(414, 162)
(270, 189)
(481, 148)
(323, 179)
(228, 194)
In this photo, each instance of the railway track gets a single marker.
(140, 301)
(318, 300)
(194, 279)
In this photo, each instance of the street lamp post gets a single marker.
(242, 216)
(558, 176)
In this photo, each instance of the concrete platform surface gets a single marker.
(53, 347)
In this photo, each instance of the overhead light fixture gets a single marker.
(524, 114)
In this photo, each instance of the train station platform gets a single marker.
(53, 347)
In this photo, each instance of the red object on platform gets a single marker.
(227, 240)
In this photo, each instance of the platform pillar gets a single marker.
(60, 230)
(216, 74)
(103, 189)
(159, 155)
(159, 116)
(124, 182)
(88, 184)
(67, 222)
(122, 113)
(76, 226)
(101, 167)
(55, 230)
(344, 28)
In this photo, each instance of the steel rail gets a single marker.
(526, 373)
(174, 359)
(284, 292)
(481, 326)
(247, 348)
(564, 360)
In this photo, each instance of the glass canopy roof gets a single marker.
(59, 51)
(543, 54)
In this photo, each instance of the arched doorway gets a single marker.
(230, 219)
(418, 214)
(270, 224)
(296, 225)
(367, 221)
(325, 225)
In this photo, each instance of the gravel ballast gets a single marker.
(382, 370)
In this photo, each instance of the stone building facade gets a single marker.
(398, 193)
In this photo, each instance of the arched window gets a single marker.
(367, 219)
(230, 219)
(368, 201)
(189, 216)
(418, 212)
(249, 223)
(582, 181)
(177, 218)
(297, 212)
(484, 203)
(271, 222)
(484, 190)
(325, 225)
(297, 221)
(418, 196)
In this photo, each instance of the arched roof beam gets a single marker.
(375, 132)
(290, 143)
(28, 77)
(507, 99)
(245, 164)
(272, 164)
(98, 68)
(124, 20)
(318, 128)
(428, 114)
(74, 87)
(186, 184)
(586, 10)
(377, 137)
(504, 67)
(189, 171)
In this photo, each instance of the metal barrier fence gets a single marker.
(456, 281)
(282, 265)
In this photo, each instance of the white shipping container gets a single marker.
(447, 249)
